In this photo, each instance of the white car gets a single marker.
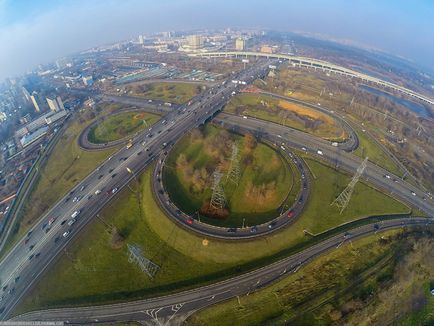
(97, 192)
(71, 221)
(320, 152)
(65, 234)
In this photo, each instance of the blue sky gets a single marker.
(38, 31)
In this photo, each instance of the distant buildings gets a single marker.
(55, 104)
(52, 104)
(141, 40)
(35, 102)
(195, 42)
(267, 49)
(240, 44)
(87, 80)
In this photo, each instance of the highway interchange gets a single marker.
(23, 266)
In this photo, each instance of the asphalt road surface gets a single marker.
(31, 256)
(172, 309)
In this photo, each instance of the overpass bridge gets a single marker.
(298, 61)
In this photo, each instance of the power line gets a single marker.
(234, 169)
(218, 200)
(145, 265)
(344, 198)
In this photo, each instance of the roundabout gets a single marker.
(252, 206)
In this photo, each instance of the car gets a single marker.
(26, 241)
(37, 255)
(44, 225)
(139, 153)
(65, 234)
(100, 176)
(320, 152)
(254, 229)
(304, 149)
(386, 176)
(97, 192)
(111, 170)
(232, 230)
(72, 221)
(51, 221)
(82, 187)
(290, 213)
(29, 233)
(47, 230)
(75, 200)
(89, 197)
(63, 222)
(114, 174)
(190, 220)
(114, 190)
(272, 224)
(75, 214)
(31, 247)
(30, 258)
(413, 193)
(17, 279)
(67, 199)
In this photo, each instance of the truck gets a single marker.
(130, 144)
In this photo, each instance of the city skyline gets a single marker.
(30, 33)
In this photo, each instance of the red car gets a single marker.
(290, 213)
(190, 220)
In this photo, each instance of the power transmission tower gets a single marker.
(218, 199)
(344, 198)
(234, 169)
(136, 256)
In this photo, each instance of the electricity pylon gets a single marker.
(234, 169)
(344, 198)
(136, 256)
(218, 200)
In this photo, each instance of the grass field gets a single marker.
(265, 177)
(121, 125)
(347, 286)
(286, 113)
(368, 147)
(94, 272)
(66, 166)
(176, 92)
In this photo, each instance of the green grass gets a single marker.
(270, 109)
(121, 125)
(368, 147)
(93, 272)
(66, 166)
(176, 92)
(313, 284)
(267, 167)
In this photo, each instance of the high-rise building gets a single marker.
(35, 103)
(240, 44)
(141, 39)
(60, 103)
(195, 42)
(52, 104)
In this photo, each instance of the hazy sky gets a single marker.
(38, 31)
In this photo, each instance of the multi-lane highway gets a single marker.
(171, 309)
(32, 255)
